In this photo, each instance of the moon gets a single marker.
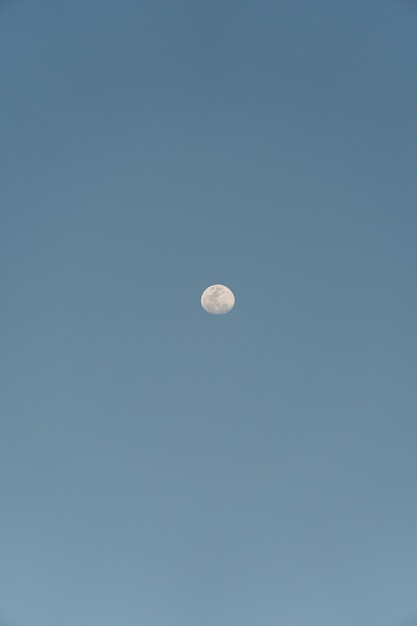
(217, 299)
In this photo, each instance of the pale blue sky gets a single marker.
(160, 466)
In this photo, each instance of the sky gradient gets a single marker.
(160, 466)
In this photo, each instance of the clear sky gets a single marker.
(160, 466)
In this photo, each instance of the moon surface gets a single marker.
(217, 299)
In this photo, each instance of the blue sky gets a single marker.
(158, 465)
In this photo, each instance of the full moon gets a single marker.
(217, 299)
